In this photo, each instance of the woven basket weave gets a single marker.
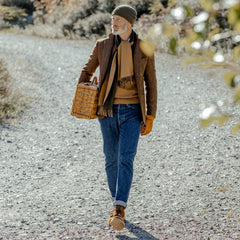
(85, 100)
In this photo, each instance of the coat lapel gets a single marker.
(106, 54)
(139, 57)
(137, 62)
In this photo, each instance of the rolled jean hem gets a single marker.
(119, 202)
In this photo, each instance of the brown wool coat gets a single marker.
(143, 67)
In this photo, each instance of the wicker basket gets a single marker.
(85, 100)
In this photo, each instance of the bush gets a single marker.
(25, 4)
(82, 18)
(93, 25)
(12, 14)
(106, 5)
(16, 12)
(11, 102)
(3, 24)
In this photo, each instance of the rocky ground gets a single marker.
(53, 185)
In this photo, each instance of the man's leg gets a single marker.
(110, 134)
(129, 135)
(130, 125)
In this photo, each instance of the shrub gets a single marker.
(93, 25)
(16, 12)
(81, 18)
(25, 4)
(12, 14)
(11, 102)
(106, 5)
(3, 24)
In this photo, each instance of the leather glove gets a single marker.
(147, 126)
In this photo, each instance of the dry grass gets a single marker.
(12, 102)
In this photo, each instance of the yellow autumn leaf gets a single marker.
(235, 129)
(207, 5)
(170, 30)
(211, 64)
(188, 40)
(236, 96)
(222, 120)
(147, 47)
(233, 16)
(213, 32)
(206, 122)
(209, 54)
(236, 53)
(196, 59)
(228, 77)
(237, 25)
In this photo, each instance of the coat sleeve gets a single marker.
(151, 86)
(90, 66)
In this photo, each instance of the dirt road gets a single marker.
(53, 185)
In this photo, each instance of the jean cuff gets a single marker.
(113, 199)
(119, 202)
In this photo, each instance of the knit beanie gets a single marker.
(127, 12)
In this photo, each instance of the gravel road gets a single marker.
(53, 184)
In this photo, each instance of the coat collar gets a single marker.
(108, 45)
(107, 51)
(137, 58)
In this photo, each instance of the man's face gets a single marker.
(119, 25)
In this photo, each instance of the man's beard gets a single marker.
(120, 30)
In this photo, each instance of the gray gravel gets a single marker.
(53, 185)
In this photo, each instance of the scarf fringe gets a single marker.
(102, 112)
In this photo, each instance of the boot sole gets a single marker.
(117, 224)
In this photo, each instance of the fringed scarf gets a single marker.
(120, 67)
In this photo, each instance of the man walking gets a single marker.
(127, 103)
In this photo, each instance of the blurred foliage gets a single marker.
(209, 33)
(11, 102)
(26, 4)
(15, 12)
(12, 14)
(82, 18)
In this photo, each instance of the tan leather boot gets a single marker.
(117, 217)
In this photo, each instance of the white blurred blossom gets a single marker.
(206, 44)
(216, 6)
(196, 45)
(157, 28)
(220, 103)
(202, 17)
(218, 57)
(178, 13)
(236, 38)
(236, 80)
(207, 112)
(199, 27)
(219, 36)
(229, 3)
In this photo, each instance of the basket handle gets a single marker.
(95, 81)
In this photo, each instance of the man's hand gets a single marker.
(147, 126)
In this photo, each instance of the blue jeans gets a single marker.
(120, 139)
